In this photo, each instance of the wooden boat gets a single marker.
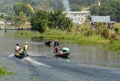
(65, 55)
(20, 55)
(64, 52)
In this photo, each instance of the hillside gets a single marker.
(6, 6)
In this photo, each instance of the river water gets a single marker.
(92, 55)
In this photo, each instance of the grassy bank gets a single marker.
(72, 37)
(75, 37)
(115, 46)
(65, 36)
(4, 72)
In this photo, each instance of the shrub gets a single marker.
(4, 72)
(105, 33)
(116, 29)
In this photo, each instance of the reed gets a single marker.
(4, 72)
(73, 37)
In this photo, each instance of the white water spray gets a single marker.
(35, 62)
(10, 56)
(28, 59)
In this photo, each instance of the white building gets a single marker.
(2, 22)
(3, 14)
(79, 17)
(102, 19)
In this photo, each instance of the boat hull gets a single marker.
(21, 56)
(63, 55)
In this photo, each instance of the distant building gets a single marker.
(79, 17)
(2, 27)
(3, 14)
(102, 19)
(2, 22)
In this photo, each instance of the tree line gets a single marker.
(53, 20)
(110, 7)
(40, 20)
(7, 5)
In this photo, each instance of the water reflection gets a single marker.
(94, 55)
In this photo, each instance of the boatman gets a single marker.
(56, 45)
(25, 49)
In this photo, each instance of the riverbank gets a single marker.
(4, 72)
(64, 36)
(71, 37)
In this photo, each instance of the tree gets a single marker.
(19, 20)
(94, 9)
(18, 8)
(56, 4)
(75, 7)
(23, 13)
(42, 19)
(60, 21)
(111, 7)
(25, 8)
(39, 21)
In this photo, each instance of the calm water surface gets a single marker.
(93, 55)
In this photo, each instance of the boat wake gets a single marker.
(28, 59)
(11, 55)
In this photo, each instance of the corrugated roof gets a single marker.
(78, 12)
(105, 19)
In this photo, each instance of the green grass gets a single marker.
(65, 36)
(27, 34)
(71, 37)
(4, 72)
(115, 46)
(76, 38)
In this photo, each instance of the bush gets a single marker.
(105, 33)
(3, 72)
(116, 29)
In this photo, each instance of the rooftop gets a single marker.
(78, 12)
(105, 19)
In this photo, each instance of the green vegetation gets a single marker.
(4, 72)
(115, 46)
(81, 35)
(54, 20)
(28, 34)
(65, 36)
(53, 24)
(110, 7)
(23, 13)
(27, 9)
(70, 37)
(76, 35)
(76, 5)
